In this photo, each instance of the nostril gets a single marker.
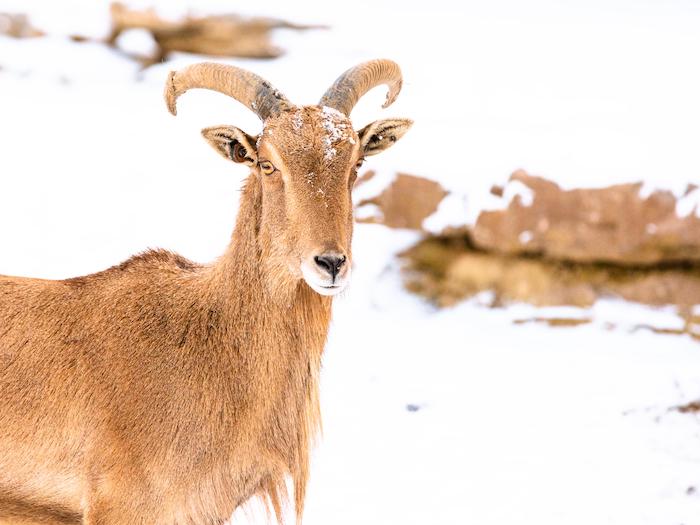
(331, 264)
(324, 263)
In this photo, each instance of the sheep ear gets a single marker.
(232, 143)
(382, 134)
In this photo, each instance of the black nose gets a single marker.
(330, 263)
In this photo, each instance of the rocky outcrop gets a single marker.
(218, 35)
(612, 225)
(17, 25)
(548, 246)
(405, 203)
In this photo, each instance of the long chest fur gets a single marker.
(272, 413)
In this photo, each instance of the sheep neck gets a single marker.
(260, 291)
(281, 338)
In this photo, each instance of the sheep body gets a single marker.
(161, 391)
(173, 382)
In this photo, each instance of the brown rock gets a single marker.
(17, 26)
(497, 190)
(405, 203)
(365, 177)
(222, 35)
(613, 225)
(692, 407)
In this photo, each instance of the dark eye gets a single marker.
(359, 164)
(266, 167)
(239, 153)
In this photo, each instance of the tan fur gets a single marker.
(161, 391)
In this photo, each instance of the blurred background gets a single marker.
(521, 340)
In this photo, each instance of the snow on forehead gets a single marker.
(334, 122)
(332, 112)
(337, 128)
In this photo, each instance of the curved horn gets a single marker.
(246, 87)
(352, 85)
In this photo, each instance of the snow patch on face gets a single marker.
(265, 131)
(298, 121)
(329, 152)
(337, 129)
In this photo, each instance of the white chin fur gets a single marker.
(323, 286)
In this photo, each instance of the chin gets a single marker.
(326, 290)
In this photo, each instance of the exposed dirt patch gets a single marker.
(447, 269)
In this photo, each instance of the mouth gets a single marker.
(326, 289)
(322, 284)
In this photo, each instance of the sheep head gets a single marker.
(305, 160)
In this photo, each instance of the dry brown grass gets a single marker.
(448, 269)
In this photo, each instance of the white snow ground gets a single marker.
(514, 423)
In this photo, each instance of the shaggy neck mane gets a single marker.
(288, 324)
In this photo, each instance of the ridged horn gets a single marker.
(352, 85)
(246, 87)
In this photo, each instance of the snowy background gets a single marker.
(445, 417)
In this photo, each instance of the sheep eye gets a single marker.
(267, 168)
(359, 163)
(239, 152)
